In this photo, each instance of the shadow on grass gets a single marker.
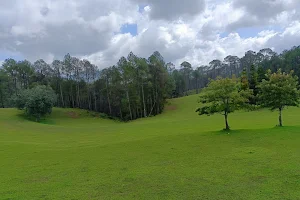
(239, 131)
(44, 120)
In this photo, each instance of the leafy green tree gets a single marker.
(224, 96)
(37, 102)
(10, 68)
(279, 92)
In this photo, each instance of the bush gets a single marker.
(37, 102)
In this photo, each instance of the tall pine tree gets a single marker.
(244, 80)
(253, 83)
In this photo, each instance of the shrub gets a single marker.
(37, 102)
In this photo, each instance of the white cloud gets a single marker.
(287, 39)
(197, 31)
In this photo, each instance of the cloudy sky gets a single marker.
(104, 30)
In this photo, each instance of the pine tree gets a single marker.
(253, 82)
(261, 74)
(244, 80)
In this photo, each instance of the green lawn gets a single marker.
(176, 155)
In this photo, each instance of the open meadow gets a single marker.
(175, 155)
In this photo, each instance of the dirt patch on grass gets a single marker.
(73, 115)
(171, 107)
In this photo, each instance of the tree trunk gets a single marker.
(61, 96)
(78, 94)
(89, 100)
(152, 109)
(189, 83)
(157, 102)
(121, 114)
(2, 101)
(280, 117)
(145, 113)
(72, 98)
(197, 87)
(95, 101)
(186, 87)
(38, 118)
(73, 101)
(226, 122)
(108, 99)
(16, 86)
(129, 106)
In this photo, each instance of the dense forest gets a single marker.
(135, 87)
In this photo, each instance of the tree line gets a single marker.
(135, 87)
(188, 78)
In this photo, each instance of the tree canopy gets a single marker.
(37, 102)
(279, 91)
(223, 95)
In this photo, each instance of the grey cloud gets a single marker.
(69, 38)
(44, 11)
(245, 21)
(261, 12)
(263, 9)
(176, 8)
(91, 9)
(173, 9)
(286, 40)
(208, 32)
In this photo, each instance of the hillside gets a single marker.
(175, 155)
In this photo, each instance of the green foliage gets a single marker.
(224, 96)
(280, 91)
(261, 74)
(3, 88)
(37, 102)
(253, 80)
(253, 84)
(179, 80)
(135, 87)
(244, 80)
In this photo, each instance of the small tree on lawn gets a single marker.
(37, 102)
(223, 96)
(279, 91)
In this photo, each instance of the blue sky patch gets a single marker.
(6, 54)
(141, 7)
(129, 28)
(250, 31)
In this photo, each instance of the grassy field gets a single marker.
(176, 155)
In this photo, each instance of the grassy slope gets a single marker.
(177, 155)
